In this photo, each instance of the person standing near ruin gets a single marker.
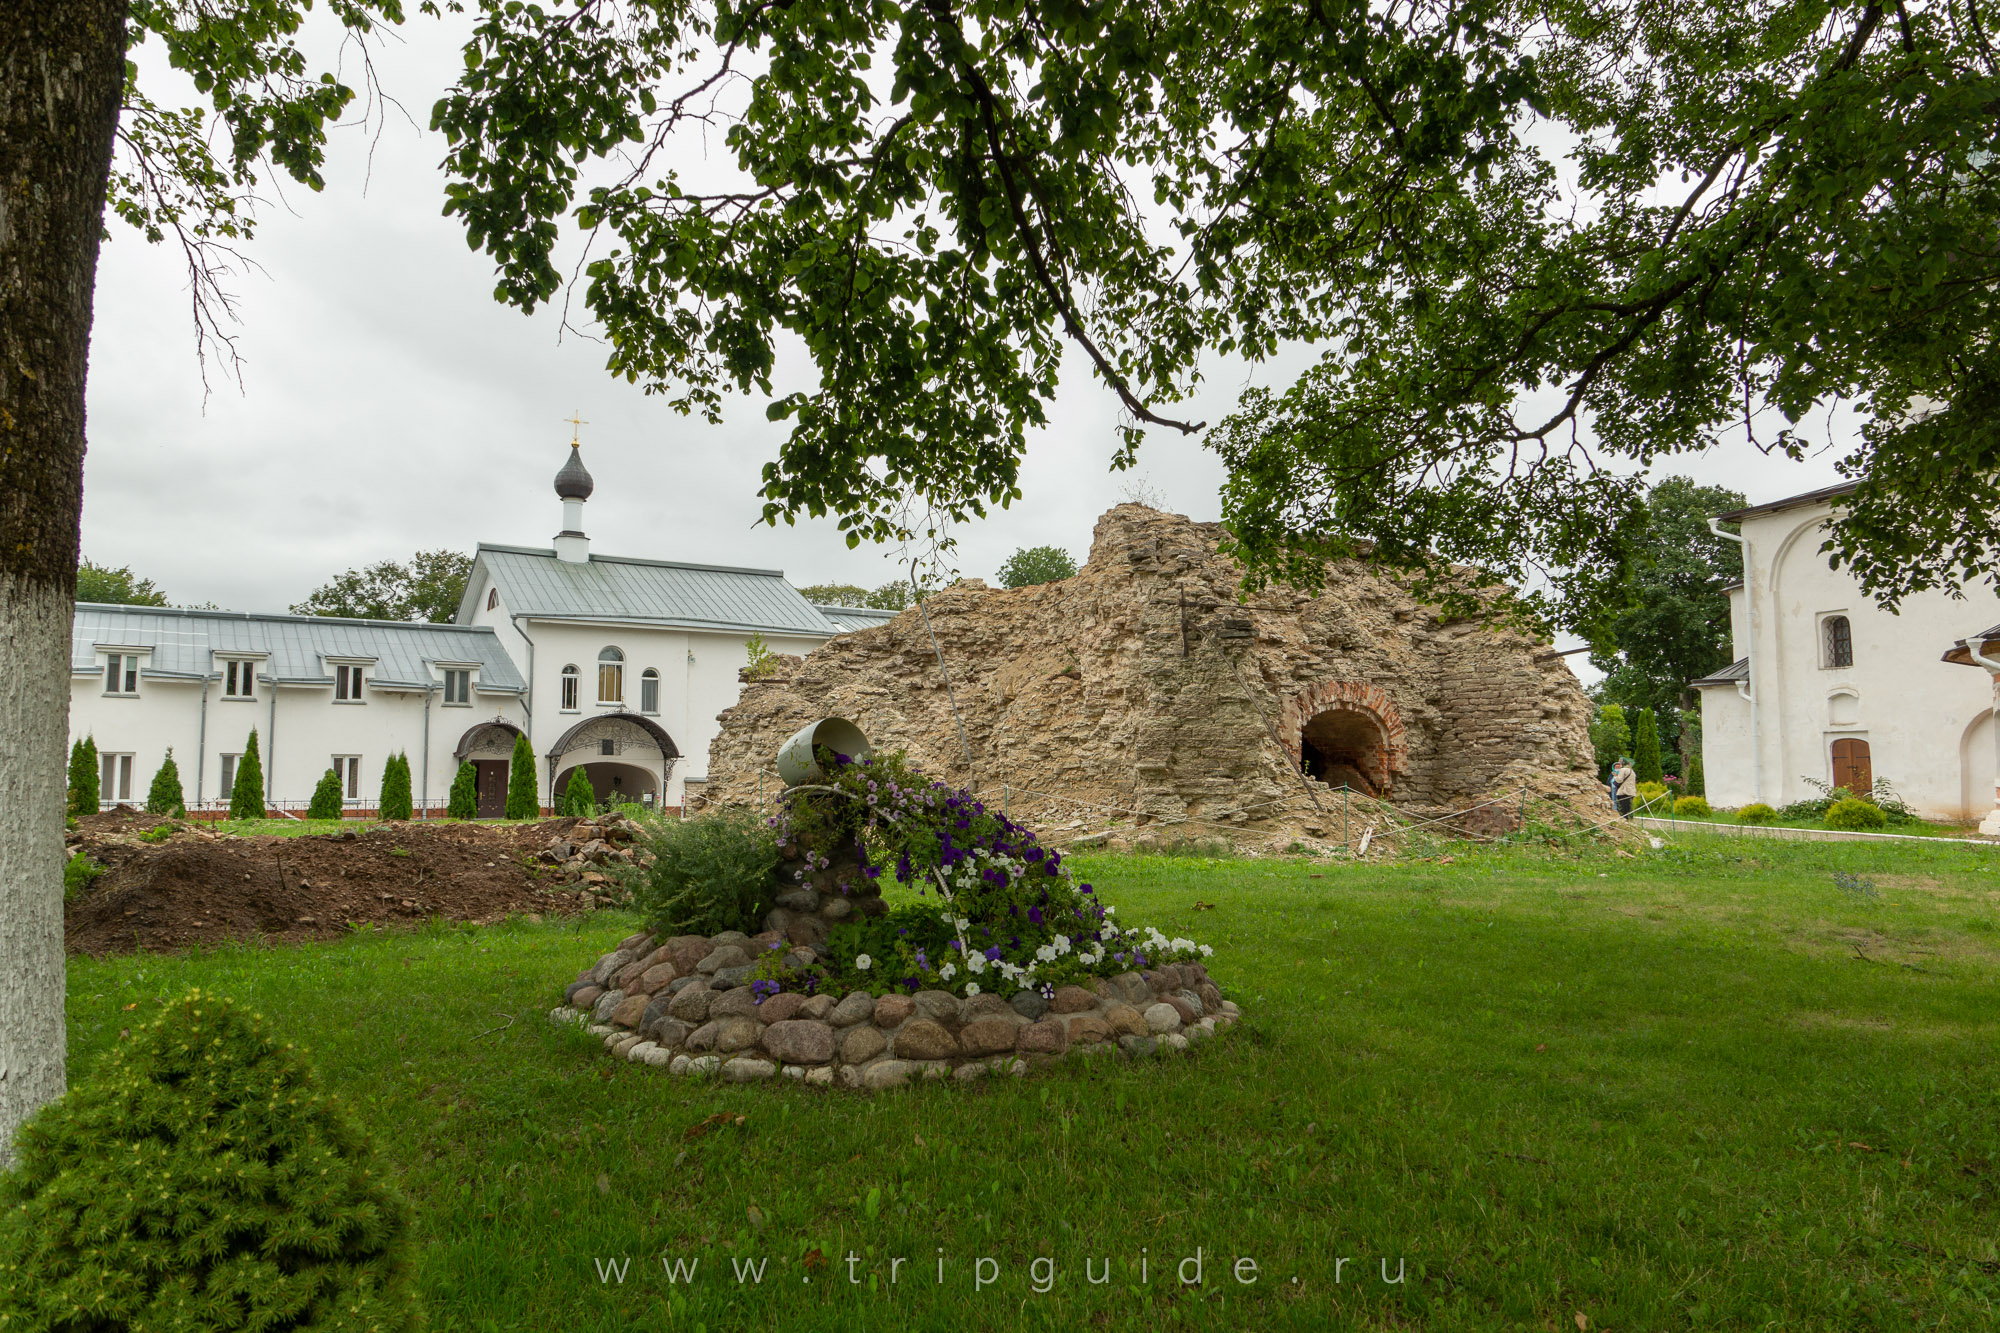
(1624, 785)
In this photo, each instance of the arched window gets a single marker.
(1839, 636)
(649, 691)
(610, 676)
(492, 599)
(570, 677)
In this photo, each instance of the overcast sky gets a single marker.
(389, 404)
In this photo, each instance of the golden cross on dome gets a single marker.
(577, 423)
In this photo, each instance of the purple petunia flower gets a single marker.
(993, 954)
(1034, 915)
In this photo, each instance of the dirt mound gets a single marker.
(119, 819)
(196, 887)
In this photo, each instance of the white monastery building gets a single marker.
(1828, 686)
(609, 663)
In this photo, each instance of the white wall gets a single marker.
(1726, 765)
(1912, 708)
(299, 729)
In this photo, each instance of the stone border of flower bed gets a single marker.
(688, 1006)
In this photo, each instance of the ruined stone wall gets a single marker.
(1142, 690)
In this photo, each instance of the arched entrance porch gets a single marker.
(625, 756)
(489, 746)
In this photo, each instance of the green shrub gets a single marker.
(1697, 780)
(708, 875)
(246, 798)
(1652, 791)
(1855, 814)
(201, 1180)
(326, 802)
(83, 778)
(166, 796)
(78, 875)
(578, 798)
(1756, 813)
(465, 793)
(524, 793)
(1696, 806)
(395, 802)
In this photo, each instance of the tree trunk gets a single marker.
(62, 72)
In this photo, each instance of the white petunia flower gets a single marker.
(948, 971)
(863, 962)
(1207, 952)
(971, 989)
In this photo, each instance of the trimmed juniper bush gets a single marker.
(465, 792)
(326, 803)
(524, 794)
(201, 1179)
(83, 778)
(166, 796)
(395, 802)
(246, 797)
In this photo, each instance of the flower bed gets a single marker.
(1004, 962)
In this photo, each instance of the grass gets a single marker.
(1726, 1085)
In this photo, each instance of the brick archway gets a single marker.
(1353, 714)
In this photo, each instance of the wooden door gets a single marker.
(1851, 767)
(491, 784)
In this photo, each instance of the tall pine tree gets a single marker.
(83, 778)
(246, 797)
(166, 796)
(524, 794)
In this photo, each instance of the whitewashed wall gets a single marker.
(1923, 718)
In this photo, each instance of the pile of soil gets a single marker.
(196, 887)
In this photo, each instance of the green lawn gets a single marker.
(1727, 1085)
(1915, 828)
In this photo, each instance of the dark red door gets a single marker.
(1851, 768)
(491, 776)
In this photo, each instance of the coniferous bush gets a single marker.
(1756, 813)
(395, 801)
(1697, 781)
(166, 796)
(578, 798)
(524, 794)
(326, 801)
(83, 778)
(246, 798)
(465, 792)
(1696, 806)
(1646, 746)
(200, 1179)
(1855, 814)
(708, 875)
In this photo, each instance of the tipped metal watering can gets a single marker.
(798, 758)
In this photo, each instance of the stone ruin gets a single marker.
(692, 1005)
(1141, 699)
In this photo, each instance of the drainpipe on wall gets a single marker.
(429, 690)
(1990, 826)
(1747, 689)
(201, 744)
(271, 748)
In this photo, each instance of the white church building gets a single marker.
(611, 664)
(1826, 685)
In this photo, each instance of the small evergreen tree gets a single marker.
(326, 802)
(201, 1179)
(1646, 746)
(578, 798)
(524, 794)
(395, 802)
(246, 798)
(465, 793)
(83, 778)
(1697, 781)
(166, 796)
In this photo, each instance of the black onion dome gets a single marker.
(573, 482)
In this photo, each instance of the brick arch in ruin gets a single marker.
(1341, 730)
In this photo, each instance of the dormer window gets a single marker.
(1837, 638)
(611, 676)
(458, 687)
(121, 673)
(239, 680)
(569, 688)
(347, 683)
